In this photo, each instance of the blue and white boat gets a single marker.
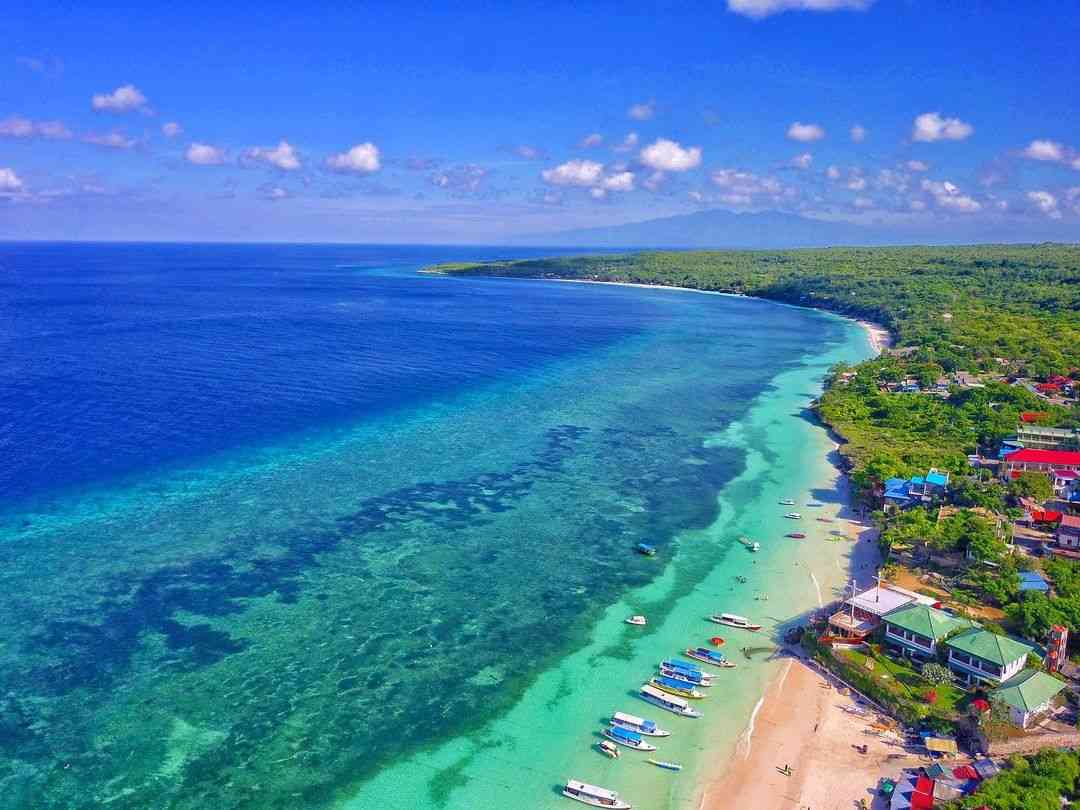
(595, 796)
(684, 666)
(687, 677)
(631, 739)
(670, 766)
(632, 722)
(670, 703)
(708, 656)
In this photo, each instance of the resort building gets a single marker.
(916, 630)
(980, 656)
(1029, 695)
(1044, 461)
(862, 613)
(905, 492)
(1035, 437)
(1068, 532)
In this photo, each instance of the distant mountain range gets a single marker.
(717, 228)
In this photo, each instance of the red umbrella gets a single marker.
(717, 641)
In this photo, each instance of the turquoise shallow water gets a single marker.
(378, 600)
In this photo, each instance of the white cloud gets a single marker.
(643, 111)
(364, 158)
(591, 140)
(122, 99)
(9, 181)
(111, 140)
(696, 196)
(275, 193)
(1045, 150)
(917, 205)
(805, 133)
(582, 173)
(171, 129)
(1045, 202)
(203, 154)
(917, 166)
(858, 133)
(623, 181)
(759, 9)
(931, 127)
(669, 156)
(598, 193)
(629, 143)
(947, 195)
(528, 152)
(467, 178)
(740, 187)
(802, 161)
(19, 127)
(857, 183)
(283, 156)
(833, 172)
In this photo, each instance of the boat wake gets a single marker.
(817, 587)
(743, 746)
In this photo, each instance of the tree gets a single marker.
(1031, 485)
(937, 673)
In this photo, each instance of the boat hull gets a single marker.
(736, 625)
(642, 746)
(724, 664)
(687, 712)
(674, 674)
(618, 805)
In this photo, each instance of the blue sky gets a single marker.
(477, 122)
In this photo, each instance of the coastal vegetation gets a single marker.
(1044, 781)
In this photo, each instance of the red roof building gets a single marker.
(1033, 416)
(1028, 460)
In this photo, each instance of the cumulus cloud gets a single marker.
(643, 111)
(467, 178)
(917, 166)
(1049, 150)
(274, 193)
(203, 154)
(857, 183)
(759, 9)
(583, 173)
(1046, 202)
(283, 156)
(364, 158)
(110, 140)
(123, 99)
(805, 133)
(623, 181)
(931, 127)
(527, 152)
(591, 140)
(171, 129)
(740, 188)
(669, 156)
(802, 161)
(9, 181)
(629, 143)
(18, 127)
(858, 133)
(833, 172)
(947, 195)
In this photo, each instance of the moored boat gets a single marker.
(675, 687)
(708, 656)
(593, 795)
(670, 703)
(826, 520)
(787, 502)
(793, 516)
(609, 748)
(815, 504)
(631, 739)
(642, 726)
(733, 620)
(646, 549)
(670, 766)
(796, 535)
(687, 677)
(637, 621)
(750, 544)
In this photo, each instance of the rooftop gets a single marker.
(927, 621)
(991, 647)
(1028, 690)
(1033, 581)
(879, 600)
(1044, 456)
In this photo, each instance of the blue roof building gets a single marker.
(1033, 581)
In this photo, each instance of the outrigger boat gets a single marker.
(631, 739)
(592, 795)
(671, 766)
(793, 516)
(646, 549)
(637, 621)
(674, 687)
(750, 544)
(688, 677)
(670, 703)
(732, 620)
(796, 535)
(708, 656)
(640, 725)
(609, 748)
(787, 502)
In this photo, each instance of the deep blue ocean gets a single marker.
(273, 517)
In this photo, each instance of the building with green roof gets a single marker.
(979, 656)
(916, 630)
(1029, 695)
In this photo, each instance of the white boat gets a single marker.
(670, 766)
(637, 621)
(753, 545)
(685, 677)
(631, 739)
(632, 722)
(592, 795)
(675, 705)
(608, 748)
(787, 502)
(732, 620)
(793, 516)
